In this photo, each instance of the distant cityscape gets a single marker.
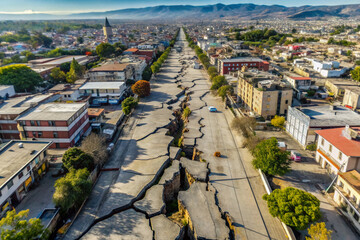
(217, 122)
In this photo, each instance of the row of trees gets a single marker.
(106, 50)
(72, 189)
(67, 73)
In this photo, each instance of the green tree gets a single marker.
(270, 159)
(218, 81)
(355, 74)
(155, 68)
(225, 90)
(57, 76)
(119, 48)
(294, 207)
(141, 88)
(128, 104)
(65, 67)
(76, 71)
(21, 76)
(72, 189)
(146, 75)
(278, 121)
(75, 158)
(212, 70)
(16, 226)
(105, 50)
(318, 231)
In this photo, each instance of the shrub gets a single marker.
(141, 88)
(217, 154)
(75, 158)
(95, 145)
(244, 126)
(278, 121)
(294, 207)
(225, 90)
(319, 231)
(311, 147)
(128, 104)
(186, 113)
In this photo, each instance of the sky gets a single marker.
(70, 6)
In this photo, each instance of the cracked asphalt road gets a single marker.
(142, 152)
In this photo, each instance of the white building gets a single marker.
(7, 91)
(22, 163)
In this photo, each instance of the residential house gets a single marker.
(226, 66)
(111, 72)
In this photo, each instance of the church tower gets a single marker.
(107, 30)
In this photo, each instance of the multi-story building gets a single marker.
(12, 108)
(303, 121)
(235, 64)
(103, 92)
(337, 86)
(338, 149)
(63, 124)
(263, 93)
(347, 196)
(22, 163)
(112, 72)
(352, 98)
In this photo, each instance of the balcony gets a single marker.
(330, 159)
(347, 199)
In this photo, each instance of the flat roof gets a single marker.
(20, 104)
(244, 59)
(323, 116)
(353, 178)
(60, 60)
(53, 112)
(113, 67)
(13, 158)
(349, 147)
(101, 85)
(95, 111)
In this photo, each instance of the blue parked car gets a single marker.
(212, 109)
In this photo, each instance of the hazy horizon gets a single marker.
(78, 6)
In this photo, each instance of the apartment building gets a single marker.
(263, 93)
(303, 121)
(347, 196)
(22, 163)
(225, 66)
(12, 108)
(352, 98)
(111, 72)
(63, 124)
(103, 92)
(338, 149)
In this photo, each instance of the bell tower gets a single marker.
(107, 30)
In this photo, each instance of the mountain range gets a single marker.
(207, 12)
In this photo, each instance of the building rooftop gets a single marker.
(325, 116)
(53, 112)
(113, 67)
(353, 178)
(350, 147)
(13, 158)
(64, 87)
(244, 59)
(101, 85)
(95, 112)
(19, 105)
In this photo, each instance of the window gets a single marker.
(330, 148)
(340, 155)
(28, 168)
(38, 123)
(34, 134)
(37, 160)
(322, 142)
(51, 123)
(32, 123)
(21, 175)
(10, 184)
(286, 101)
(55, 134)
(39, 134)
(57, 145)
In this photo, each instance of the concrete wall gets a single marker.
(298, 125)
(351, 99)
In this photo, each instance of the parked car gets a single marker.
(212, 109)
(295, 156)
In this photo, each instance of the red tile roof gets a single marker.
(301, 78)
(346, 146)
(131, 50)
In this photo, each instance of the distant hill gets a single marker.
(209, 12)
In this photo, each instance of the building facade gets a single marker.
(63, 124)
(112, 72)
(22, 163)
(225, 66)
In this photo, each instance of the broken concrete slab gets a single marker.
(203, 215)
(198, 170)
(171, 181)
(165, 229)
(152, 203)
(129, 225)
(174, 152)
